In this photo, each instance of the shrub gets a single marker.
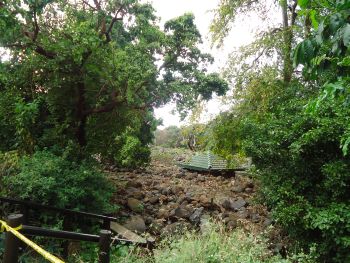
(215, 245)
(50, 179)
(305, 176)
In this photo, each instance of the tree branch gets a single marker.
(114, 19)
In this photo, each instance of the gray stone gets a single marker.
(255, 218)
(231, 224)
(237, 189)
(182, 212)
(248, 190)
(136, 224)
(242, 214)
(196, 216)
(238, 204)
(154, 199)
(267, 222)
(226, 204)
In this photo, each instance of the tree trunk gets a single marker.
(287, 48)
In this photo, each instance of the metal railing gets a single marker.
(12, 243)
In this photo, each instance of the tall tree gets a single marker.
(91, 69)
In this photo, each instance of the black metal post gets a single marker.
(107, 224)
(104, 243)
(11, 241)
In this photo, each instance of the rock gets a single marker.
(255, 218)
(156, 226)
(248, 190)
(237, 189)
(134, 192)
(149, 220)
(135, 184)
(236, 205)
(175, 228)
(163, 199)
(136, 224)
(190, 176)
(267, 222)
(201, 178)
(177, 189)
(163, 213)
(135, 205)
(153, 200)
(189, 197)
(226, 204)
(166, 191)
(181, 212)
(204, 200)
(242, 214)
(231, 224)
(196, 215)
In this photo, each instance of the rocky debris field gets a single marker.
(164, 199)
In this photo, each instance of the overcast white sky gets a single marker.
(240, 35)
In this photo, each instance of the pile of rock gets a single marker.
(163, 200)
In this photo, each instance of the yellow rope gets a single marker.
(14, 231)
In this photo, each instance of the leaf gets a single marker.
(303, 3)
(345, 62)
(335, 22)
(346, 35)
(297, 56)
(313, 19)
(320, 31)
(345, 146)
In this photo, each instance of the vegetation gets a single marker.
(213, 246)
(91, 74)
(82, 78)
(295, 125)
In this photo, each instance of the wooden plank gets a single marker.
(127, 234)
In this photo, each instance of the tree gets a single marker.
(273, 41)
(87, 72)
(324, 54)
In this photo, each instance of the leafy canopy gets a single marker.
(88, 73)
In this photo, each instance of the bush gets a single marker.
(305, 176)
(215, 245)
(50, 179)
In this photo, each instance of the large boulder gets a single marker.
(136, 224)
(135, 205)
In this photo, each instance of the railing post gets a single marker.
(104, 243)
(67, 226)
(12, 242)
(106, 224)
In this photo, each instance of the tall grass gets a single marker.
(214, 246)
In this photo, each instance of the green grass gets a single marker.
(214, 246)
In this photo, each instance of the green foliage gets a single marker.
(214, 246)
(304, 174)
(325, 54)
(132, 153)
(89, 74)
(50, 179)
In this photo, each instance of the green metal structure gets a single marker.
(207, 162)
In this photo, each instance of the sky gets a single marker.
(241, 34)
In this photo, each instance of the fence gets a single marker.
(15, 221)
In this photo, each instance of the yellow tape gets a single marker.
(45, 254)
